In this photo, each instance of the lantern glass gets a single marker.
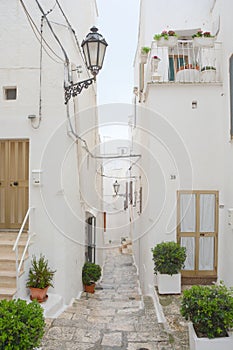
(94, 47)
(116, 187)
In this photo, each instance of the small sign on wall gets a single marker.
(36, 177)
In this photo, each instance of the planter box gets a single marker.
(208, 76)
(196, 343)
(203, 42)
(169, 284)
(170, 42)
(143, 58)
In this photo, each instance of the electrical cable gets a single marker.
(117, 177)
(73, 32)
(35, 29)
(77, 137)
(54, 34)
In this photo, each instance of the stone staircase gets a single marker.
(7, 262)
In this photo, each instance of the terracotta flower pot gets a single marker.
(89, 289)
(38, 294)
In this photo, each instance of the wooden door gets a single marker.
(197, 230)
(14, 173)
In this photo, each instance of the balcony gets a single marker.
(185, 63)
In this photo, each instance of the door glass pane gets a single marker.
(207, 212)
(189, 244)
(206, 253)
(188, 212)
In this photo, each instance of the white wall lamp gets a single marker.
(94, 47)
(116, 187)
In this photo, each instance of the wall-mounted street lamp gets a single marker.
(94, 47)
(116, 187)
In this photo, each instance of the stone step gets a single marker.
(7, 264)
(7, 248)
(8, 278)
(12, 235)
(7, 293)
(8, 261)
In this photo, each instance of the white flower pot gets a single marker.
(168, 284)
(195, 343)
(154, 64)
(143, 58)
(170, 42)
(208, 76)
(203, 41)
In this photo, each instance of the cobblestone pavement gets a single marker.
(115, 317)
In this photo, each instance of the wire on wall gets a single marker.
(67, 62)
(72, 31)
(36, 32)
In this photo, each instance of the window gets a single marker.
(10, 93)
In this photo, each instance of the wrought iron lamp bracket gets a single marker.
(75, 89)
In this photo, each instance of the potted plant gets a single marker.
(22, 325)
(91, 273)
(166, 38)
(144, 54)
(203, 39)
(210, 310)
(169, 258)
(208, 74)
(40, 278)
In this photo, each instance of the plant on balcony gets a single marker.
(145, 50)
(201, 34)
(166, 38)
(210, 309)
(144, 53)
(207, 68)
(203, 39)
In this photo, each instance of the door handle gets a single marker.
(14, 184)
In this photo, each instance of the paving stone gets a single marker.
(87, 336)
(142, 346)
(62, 333)
(115, 317)
(112, 339)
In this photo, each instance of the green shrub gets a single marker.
(40, 275)
(91, 272)
(21, 325)
(169, 258)
(145, 49)
(209, 308)
(207, 68)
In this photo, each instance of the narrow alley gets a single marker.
(116, 317)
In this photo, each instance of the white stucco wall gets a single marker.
(59, 216)
(202, 158)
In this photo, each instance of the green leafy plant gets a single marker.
(169, 258)
(165, 34)
(21, 325)
(145, 50)
(40, 274)
(91, 273)
(207, 68)
(201, 34)
(209, 308)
